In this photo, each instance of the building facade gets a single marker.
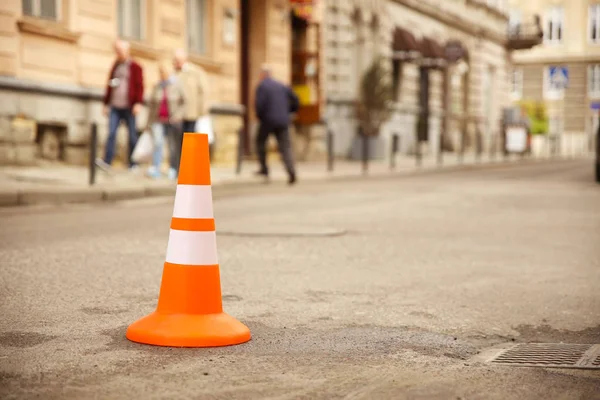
(564, 71)
(449, 64)
(55, 57)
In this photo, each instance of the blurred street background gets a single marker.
(460, 77)
(445, 206)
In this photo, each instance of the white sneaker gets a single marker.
(153, 172)
(102, 165)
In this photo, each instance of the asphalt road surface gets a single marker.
(431, 272)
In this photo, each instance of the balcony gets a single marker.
(524, 36)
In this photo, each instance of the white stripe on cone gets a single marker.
(192, 248)
(193, 201)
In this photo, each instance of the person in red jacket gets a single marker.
(122, 101)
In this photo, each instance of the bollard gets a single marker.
(330, 143)
(419, 135)
(440, 152)
(478, 146)
(395, 146)
(240, 151)
(93, 147)
(365, 150)
(502, 141)
(461, 153)
(598, 155)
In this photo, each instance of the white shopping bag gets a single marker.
(143, 148)
(204, 125)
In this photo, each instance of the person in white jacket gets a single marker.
(194, 81)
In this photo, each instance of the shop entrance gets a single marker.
(305, 70)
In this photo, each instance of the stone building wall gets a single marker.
(571, 114)
(52, 74)
(480, 29)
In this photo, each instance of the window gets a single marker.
(594, 23)
(229, 28)
(594, 81)
(196, 26)
(46, 9)
(516, 84)
(554, 85)
(396, 79)
(130, 15)
(554, 25)
(514, 22)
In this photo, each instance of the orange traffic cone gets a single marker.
(190, 310)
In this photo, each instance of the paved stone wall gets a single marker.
(37, 124)
(49, 126)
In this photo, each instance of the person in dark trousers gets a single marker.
(123, 100)
(274, 102)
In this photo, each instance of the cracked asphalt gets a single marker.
(431, 271)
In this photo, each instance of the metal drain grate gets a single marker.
(551, 355)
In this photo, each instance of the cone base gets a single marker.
(188, 330)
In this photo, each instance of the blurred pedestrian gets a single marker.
(123, 100)
(165, 115)
(274, 102)
(195, 85)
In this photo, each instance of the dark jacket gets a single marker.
(136, 84)
(274, 102)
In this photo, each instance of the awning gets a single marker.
(404, 45)
(433, 53)
(455, 51)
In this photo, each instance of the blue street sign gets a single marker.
(559, 77)
(595, 105)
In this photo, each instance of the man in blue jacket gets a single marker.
(274, 102)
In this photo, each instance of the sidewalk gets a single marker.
(52, 183)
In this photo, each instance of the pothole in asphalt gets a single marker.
(546, 355)
(24, 339)
(271, 230)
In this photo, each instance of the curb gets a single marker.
(56, 196)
